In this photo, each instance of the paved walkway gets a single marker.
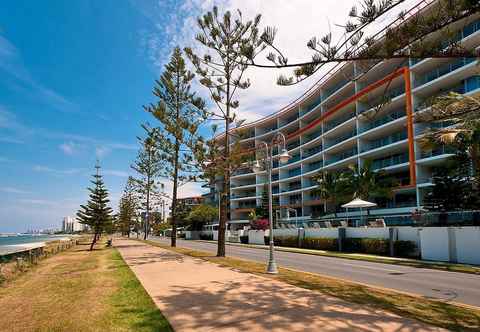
(196, 295)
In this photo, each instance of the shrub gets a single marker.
(367, 246)
(281, 241)
(320, 243)
(405, 249)
(286, 241)
(375, 246)
(352, 245)
(207, 237)
(260, 224)
(244, 239)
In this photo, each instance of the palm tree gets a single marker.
(463, 113)
(332, 187)
(366, 183)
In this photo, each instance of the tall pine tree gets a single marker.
(229, 41)
(127, 217)
(96, 214)
(148, 165)
(180, 112)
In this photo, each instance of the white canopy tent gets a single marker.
(358, 203)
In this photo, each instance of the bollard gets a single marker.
(342, 232)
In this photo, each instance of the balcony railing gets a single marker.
(443, 70)
(395, 159)
(242, 171)
(311, 106)
(390, 93)
(312, 151)
(312, 136)
(294, 186)
(336, 122)
(251, 194)
(247, 206)
(386, 119)
(465, 32)
(335, 88)
(467, 85)
(341, 156)
(437, 152)
(294, 159)
(314, 166)
(399, 136)
(293, 145)
(294, 172)
(242, 184)
(341, 138)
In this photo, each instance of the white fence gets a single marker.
(448, 244)
(451, 244)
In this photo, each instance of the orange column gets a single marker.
(411, 149)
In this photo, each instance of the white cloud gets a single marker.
(112, 172)
(70, 148)
(11, 190)
(296, 22)
(53, 171)
(101, 151)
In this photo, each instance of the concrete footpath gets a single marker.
(196, 295)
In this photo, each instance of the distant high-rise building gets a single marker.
(71, 225)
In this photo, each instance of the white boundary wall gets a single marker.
(256, 237)
(447, 244)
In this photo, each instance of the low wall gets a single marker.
(468, 244)
(369, 233)
(256, 237)
(451, 244)
(322, 232)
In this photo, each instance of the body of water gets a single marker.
(18, 242)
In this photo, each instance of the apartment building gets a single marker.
(339, 123)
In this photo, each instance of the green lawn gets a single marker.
(79, 290)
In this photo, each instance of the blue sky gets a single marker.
(75, 74)
(73, 78)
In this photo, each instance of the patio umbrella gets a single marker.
(358, 203)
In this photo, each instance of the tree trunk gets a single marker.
(94, 240)
(174, 200)
(222, 225)
(173, 239)
(147, 217)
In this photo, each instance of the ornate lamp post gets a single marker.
(268, 165)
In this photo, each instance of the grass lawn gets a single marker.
(79, 290)
(452, 317)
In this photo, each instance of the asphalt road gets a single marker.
(448, 286)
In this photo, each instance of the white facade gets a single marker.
(337, 124)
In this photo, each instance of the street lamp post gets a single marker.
(283, 158)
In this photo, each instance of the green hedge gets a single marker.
(207, 237)
(353, 245)
(244, 239)
(405, 249)
(320, 244)
(367, 246)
